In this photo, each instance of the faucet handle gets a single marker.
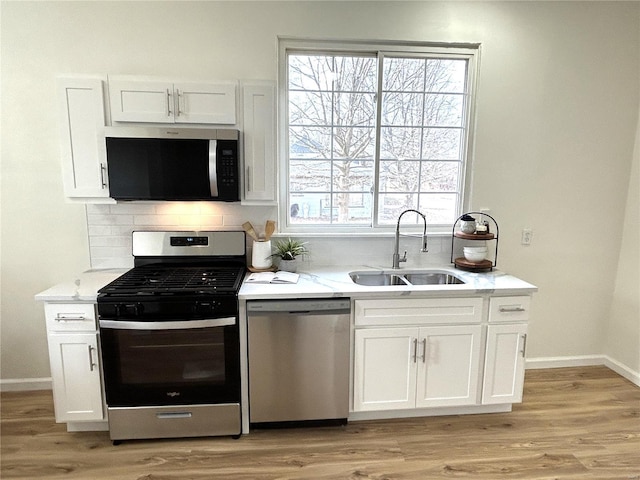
(403, 258)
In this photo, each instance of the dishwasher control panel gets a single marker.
(300, 305)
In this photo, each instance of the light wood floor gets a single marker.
(574, 423)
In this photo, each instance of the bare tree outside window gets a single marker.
(338, 142)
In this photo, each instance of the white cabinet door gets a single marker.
(384, 369)
(75, 373)
(141, 101)
(448, 366)
(205, 103)
(504, 363)
(82, 118)
(259, 135)
(158, 101)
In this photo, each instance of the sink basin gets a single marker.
(378, 279)
(419, 277)
(432, 279)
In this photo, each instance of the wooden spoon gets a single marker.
(269, 228)
(250, 230)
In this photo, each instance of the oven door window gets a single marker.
(164, 367)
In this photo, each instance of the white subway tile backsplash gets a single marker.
(157, 220)
(110, 228)
(109, 219)
(109, 241)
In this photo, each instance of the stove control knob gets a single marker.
(129, 309)
(205, 307)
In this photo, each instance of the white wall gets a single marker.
(557, 114)
(623, 332)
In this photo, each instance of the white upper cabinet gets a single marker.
(82, 119)
(156, 101)
(258, 105)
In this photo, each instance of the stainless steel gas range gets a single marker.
(170, 337)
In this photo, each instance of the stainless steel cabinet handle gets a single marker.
(524, 345)
(415, 350)
(424, 350)
(92, 364)
(512, 309)
(178, 106)
(70, 317)
(168, 103)
(247, 181)
(103, 175)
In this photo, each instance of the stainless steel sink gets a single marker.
(432, 279)
(418, 277)
(378, 279)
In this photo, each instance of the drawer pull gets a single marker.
(70, 317)
(172, 415)
(512, 309)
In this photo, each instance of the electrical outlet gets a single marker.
(527, 234)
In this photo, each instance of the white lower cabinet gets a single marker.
(506, 349)
(416, 353)
(384, 369)
(415, 367)
(75, 362)
(76, 376)
(439, 352)
(504, 364)
(448, 366)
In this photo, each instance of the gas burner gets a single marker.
(189, 279)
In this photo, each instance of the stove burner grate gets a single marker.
(176, 279)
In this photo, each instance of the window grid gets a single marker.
(420, 188)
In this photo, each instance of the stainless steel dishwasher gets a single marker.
(298, 360)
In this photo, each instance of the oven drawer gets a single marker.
(128, 423)
(70, 317)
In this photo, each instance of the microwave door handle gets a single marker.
(213, 168)
(175, 325)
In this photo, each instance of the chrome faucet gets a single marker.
(396, 255)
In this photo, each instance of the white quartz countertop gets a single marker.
(334, 281)
(83, 288)
(320, 282)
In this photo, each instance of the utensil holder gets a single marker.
(261, 254)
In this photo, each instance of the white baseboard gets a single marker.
(24, 384)
(585, 361)
(561, 362)
(623, 370)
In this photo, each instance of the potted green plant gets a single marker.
(287, 251)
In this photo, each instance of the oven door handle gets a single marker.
(177, 325)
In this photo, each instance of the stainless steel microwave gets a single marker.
(172, 163)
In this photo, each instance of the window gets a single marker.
(371, 132)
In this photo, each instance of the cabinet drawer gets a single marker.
(509, 309)
(418, 311)
(70, 317)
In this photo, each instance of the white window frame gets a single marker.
(471, 52)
